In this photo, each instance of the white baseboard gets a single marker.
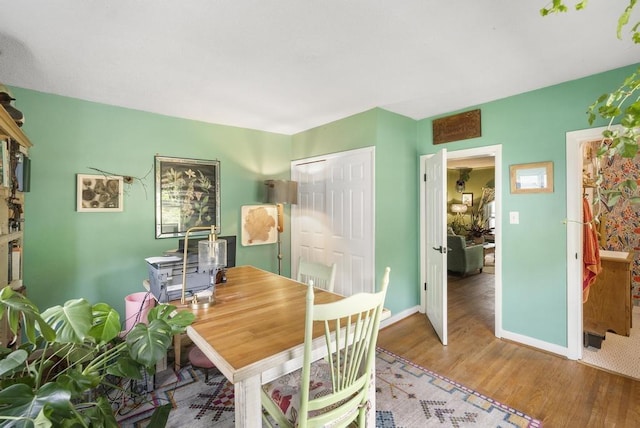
(536, 343)
(504, 334)
(399, 316)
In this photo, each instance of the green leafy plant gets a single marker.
(621, 106)
(478, 226)
(73, 353)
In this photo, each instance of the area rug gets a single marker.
(618, 354)
(407, 395)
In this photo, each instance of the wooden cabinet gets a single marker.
(609, 306)
(14, 145)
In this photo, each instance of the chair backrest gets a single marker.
(456, 243)
(317, 274)
(350, 328)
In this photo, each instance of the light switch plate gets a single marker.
(514, 217)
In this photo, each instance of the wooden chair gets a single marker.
(335, 390)
(317, 274)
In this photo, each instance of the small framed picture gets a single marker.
(259, 224)
(467, 199)
(99, 193)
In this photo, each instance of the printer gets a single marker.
(165, 277)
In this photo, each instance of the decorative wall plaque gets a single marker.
(459, 126)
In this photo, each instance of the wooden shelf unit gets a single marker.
(11, 236)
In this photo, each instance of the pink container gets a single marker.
(137, 306)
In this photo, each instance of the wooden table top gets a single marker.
(256, 322)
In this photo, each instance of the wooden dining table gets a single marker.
(254, 333)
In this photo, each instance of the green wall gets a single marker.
(100, 256)
(396, 186)
(531, 127)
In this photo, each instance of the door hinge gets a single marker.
(425, 176)
(425, 286)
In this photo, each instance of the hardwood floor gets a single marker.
(557, 391)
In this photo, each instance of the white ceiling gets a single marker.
(289, 65)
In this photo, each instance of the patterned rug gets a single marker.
(407, 395)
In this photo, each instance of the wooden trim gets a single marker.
(9, 128)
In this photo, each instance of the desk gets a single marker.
(255, 333)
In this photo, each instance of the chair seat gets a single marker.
(285, 391)
(198, 359)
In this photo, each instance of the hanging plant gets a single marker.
(620, 106)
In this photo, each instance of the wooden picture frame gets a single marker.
(99, 193)
(534, 177)
(187, 195)
(467, 199)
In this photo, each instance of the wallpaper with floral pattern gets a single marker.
(622, 221)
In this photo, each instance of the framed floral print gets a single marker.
(187, 195)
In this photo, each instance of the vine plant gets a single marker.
(620, 106)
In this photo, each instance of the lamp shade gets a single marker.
(458, 208)
(282, 191)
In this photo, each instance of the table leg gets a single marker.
(247, 403)
(177, 350)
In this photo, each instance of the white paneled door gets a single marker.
(333, 221)
(434, 209)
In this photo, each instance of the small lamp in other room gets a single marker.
(280, 192)
(458, 210)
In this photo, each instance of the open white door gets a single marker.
(434, 209)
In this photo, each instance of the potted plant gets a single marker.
(71, 355)
(478, 226)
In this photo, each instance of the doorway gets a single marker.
(472, 292)
(494, 152)
(619, 350)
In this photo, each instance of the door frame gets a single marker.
(574, 141)
(496, 152)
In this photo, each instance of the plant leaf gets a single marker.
(148, 344)
(77, 382)
(71, 322)
(624, 18)
(106, 323)
(160, 416)
(12, 361)
(629, 150)
(613, 198)
(126, 368)
(18, 400)
(634, 199)
(18, 306)
(177, 320)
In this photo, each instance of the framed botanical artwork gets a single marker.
(259, 224)
(187, 195)
(99, 193)
(467, 199)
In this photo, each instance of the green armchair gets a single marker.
(461, 258)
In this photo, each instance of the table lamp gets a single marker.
(281, 192)
(212, 256)
(458, 210)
